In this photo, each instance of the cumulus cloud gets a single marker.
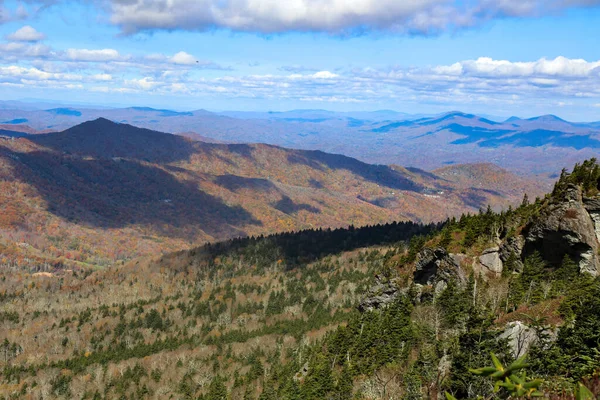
(331, 16)
(480, 81)
(19, 50)
(35, 74)
(102, 77)
(93, 55)
(26, 34)
(145, 83)
(485, 66)
(324, 75)
(183, 58)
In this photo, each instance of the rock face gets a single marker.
(567, 228)
(435, 266)
(592, 206)
(379, 296)
(520, 338)
(511, 250)
(491, 261)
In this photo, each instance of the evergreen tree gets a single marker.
(217, 389)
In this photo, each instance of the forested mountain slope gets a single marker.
(101, 192)
(397, 311)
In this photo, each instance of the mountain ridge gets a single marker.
(103, 182)
(535, 146)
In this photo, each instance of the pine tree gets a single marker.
(217, 389)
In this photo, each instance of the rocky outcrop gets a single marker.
(491, 261)
(519, 337)
(380, 295)
(510, 252)
(566, 228)
(592, 206)
(436, 267)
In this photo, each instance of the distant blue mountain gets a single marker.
(547, 118)
(535, 138)
(312, 120)
(65, 111)
(16, 121)
(162, 112)
(543, 137)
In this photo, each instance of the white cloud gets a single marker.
(93, 55)
(102, 77)
(145, 83)
(331, 16)
(26, 34)
(324, 75)
(183, 58)
(331, 99)
(34, 74)
(485, 66)
(480, 81)
(18, 51)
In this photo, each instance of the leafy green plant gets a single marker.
(583, 393)
(514, 380)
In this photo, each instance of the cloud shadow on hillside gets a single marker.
(287, 206)
(233, 183)
(109, 193)
(379, 174)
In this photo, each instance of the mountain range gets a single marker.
(534, 146)
(388, 311)
(103, 191)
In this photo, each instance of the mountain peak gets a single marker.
(547, 118)
(101, 121)
(100, 124)
(105, 139)
(458, 114)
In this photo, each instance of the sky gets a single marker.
(493, 57)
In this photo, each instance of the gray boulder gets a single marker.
(436, 265)
(491, 261)
(566, 228)
(380, 296)
(520, 338)
(511, 250)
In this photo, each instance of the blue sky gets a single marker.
(502, 57)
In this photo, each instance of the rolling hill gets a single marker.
(103, 191)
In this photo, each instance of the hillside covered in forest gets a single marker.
(392, 311)
(102, 192)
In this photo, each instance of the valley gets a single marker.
(392, 311)
(102, 192)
